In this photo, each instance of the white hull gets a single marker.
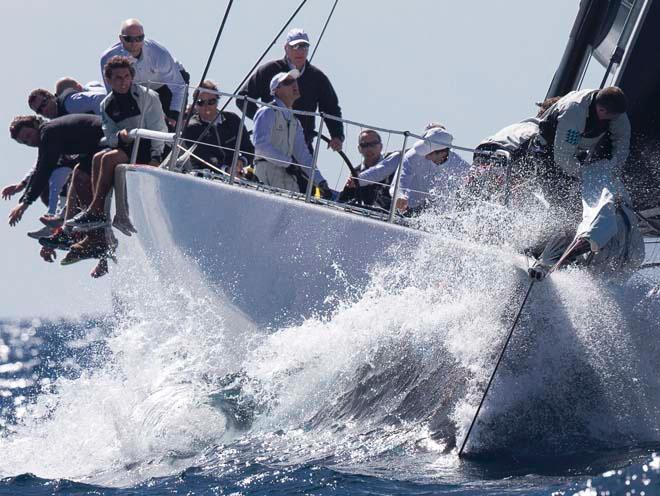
(279, 260)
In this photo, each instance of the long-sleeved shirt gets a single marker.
(264, 121)
(222, 133)
(154, 68)
(316, 92)
(69, 134)
(140, 107)
(564, 128)
(422, 181)
(513, 138)
(381, 171)
(82, 102)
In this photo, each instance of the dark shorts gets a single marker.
(165, 97)
(144, 152)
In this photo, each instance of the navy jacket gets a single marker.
(316, 91)
(67, 135)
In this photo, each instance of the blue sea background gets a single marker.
(35, 355)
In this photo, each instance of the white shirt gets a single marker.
(154, 68)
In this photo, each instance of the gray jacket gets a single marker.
(151, 117)
(571, 113)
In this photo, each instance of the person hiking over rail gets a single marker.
(77, 134)
(127, 107)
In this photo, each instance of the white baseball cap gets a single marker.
(281, 76)
(297, 36)
(434, 139)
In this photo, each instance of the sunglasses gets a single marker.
(131, 39)
(300, 46)
(287, 82)
(204, 103)
(367, 144)
(42, 106)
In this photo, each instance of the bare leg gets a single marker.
(109, 163)
(80, 182)
(96, 169)
(83, 186)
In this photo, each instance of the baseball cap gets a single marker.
(297, 36)
(434, 139)
(281, 76)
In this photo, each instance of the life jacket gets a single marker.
(282, 135)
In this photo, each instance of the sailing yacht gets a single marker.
(281, 257)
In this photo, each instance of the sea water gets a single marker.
(178, 393)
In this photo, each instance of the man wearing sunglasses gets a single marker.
(76, 134)
(376, 171)
(279, 141)
(69, 101)
(431, 174)
(155, 67)
(215, 149)
(316, 91)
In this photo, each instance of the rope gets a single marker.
(499, 360)
(323, 31)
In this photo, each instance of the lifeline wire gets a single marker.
(490, 381)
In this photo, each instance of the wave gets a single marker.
(389, 381)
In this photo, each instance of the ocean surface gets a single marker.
(175, 395)
(68, 428)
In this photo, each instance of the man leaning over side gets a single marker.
(583, 127)
(76, 134)
(127, 107)
(69, 101)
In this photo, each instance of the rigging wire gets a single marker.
(189, 114)
(492, 376)
(215, 44)
(208, 127)
(265, 52)
(323, 31)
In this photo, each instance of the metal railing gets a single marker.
(176, 139)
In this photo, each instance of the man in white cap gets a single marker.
(279, 141)
(431, 173)
(315, 88)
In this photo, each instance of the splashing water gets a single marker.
(387, 384)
